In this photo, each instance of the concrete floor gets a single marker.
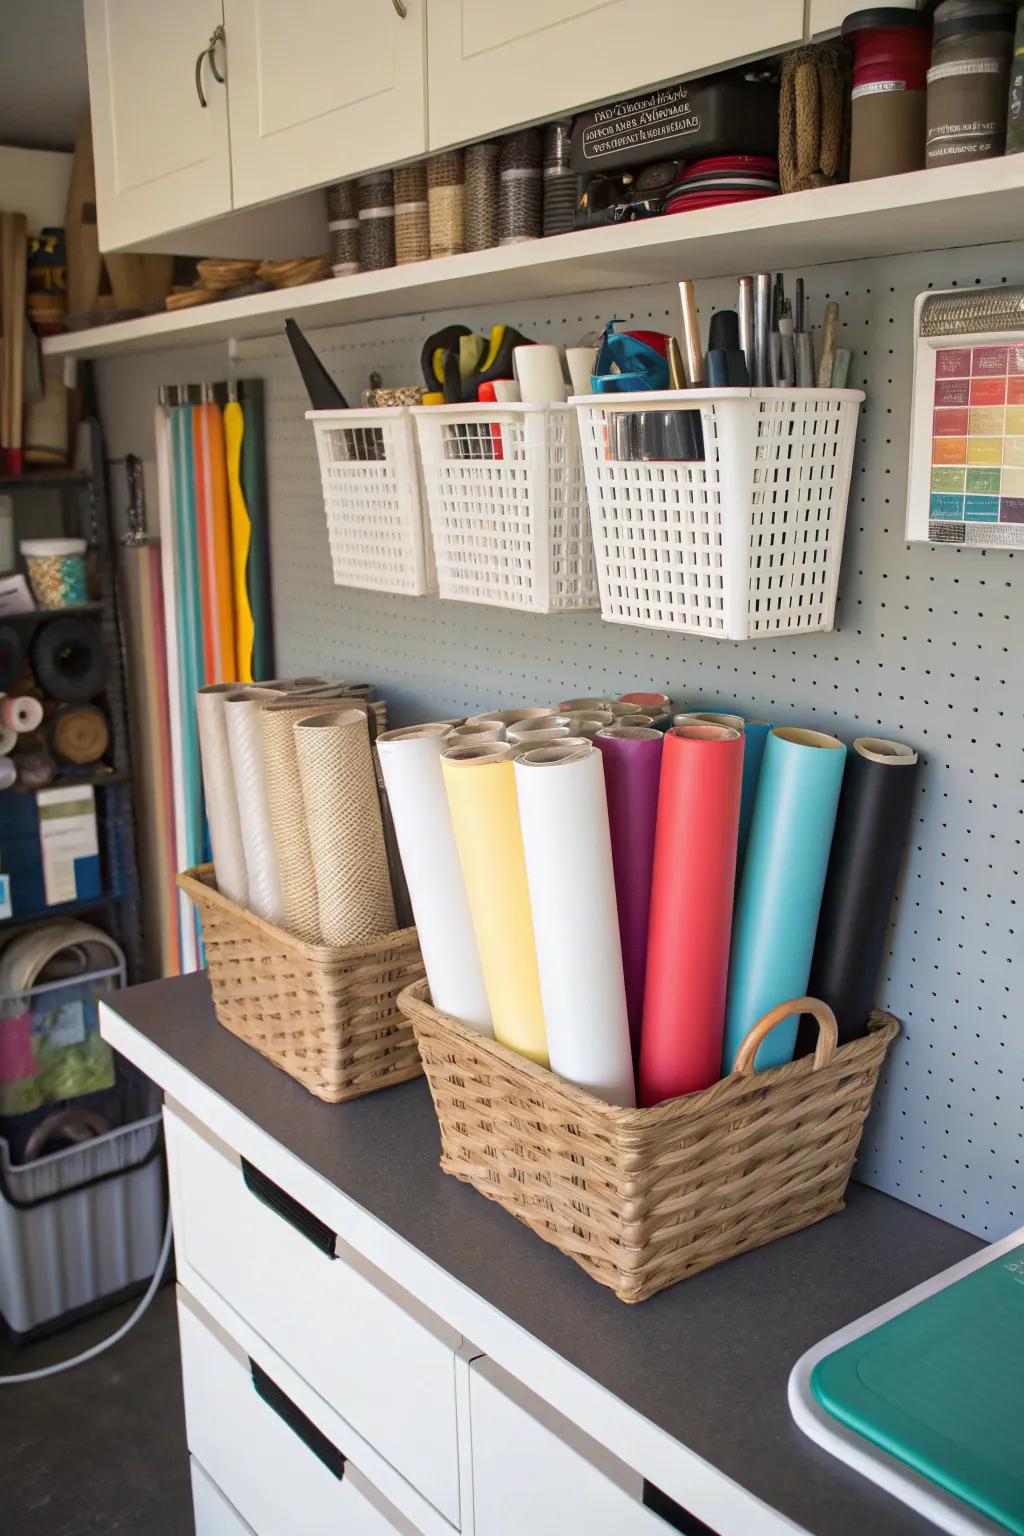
(100, 1450)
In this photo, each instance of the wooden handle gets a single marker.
(828, 1033)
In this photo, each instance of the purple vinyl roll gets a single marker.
(632, 769)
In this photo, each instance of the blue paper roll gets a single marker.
(755, 737)
(781, 886)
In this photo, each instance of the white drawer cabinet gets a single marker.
(321, 89)
(214, 1516)
(535, 1474)
(162, 159)
(493, 64)
(386, 1365)
(277, 1472)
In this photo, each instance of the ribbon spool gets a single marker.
(79, 733)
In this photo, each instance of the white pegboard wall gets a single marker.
(927, 648)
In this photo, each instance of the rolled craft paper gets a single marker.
(871, 830)
(691, 911)
(650, 703)
(222, 811)
(780, 889)
(242, 717)
(562, 805)
(755, 737)
(709, 717)
(480, 785)
(632, 768)
(410, 761)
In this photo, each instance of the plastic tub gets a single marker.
(56, 571)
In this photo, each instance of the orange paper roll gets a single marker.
(691, 910)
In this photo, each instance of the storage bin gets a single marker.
(507, 505)
(50, 1045)
(327, 1016)
(79, 1229)
(373, 500)
(742, 544)
(641, 1198)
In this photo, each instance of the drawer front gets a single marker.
(535, 1473)
(387, 1369)
(214, 1516)
(276, 1471)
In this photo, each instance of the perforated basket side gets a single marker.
(376, 524)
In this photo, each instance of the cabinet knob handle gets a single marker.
(401, 7)
(209, 53)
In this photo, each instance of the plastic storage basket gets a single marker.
(373, 500)
(742, 544)
(79, 1228)
(507, 504)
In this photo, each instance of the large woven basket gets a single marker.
(642, 1198)
(328, 1017)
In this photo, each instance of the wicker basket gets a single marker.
(641, 1198)
(327, 1017)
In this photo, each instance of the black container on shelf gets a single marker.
(727, 115)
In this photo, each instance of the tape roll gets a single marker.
(35, 769)
(21, 713)
(8, 772)
(12, 656)
(67, 659)
(8, 740)
(79, 733)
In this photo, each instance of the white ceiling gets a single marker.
(44, 88)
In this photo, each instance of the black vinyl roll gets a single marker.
(871, 829)
(67, 659)
(12, 657)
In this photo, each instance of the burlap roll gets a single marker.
(813, 117)
(300, 909)
(339, 793)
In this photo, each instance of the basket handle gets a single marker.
(828, 1033)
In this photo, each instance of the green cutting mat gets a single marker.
(941, 1387)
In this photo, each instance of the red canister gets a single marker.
(891, 52)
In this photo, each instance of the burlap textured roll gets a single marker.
(300, 911)
(343, 822)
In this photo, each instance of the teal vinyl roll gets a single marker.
(781, 886)
(755, 738)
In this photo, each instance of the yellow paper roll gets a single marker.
(481, 788)
(241, 536)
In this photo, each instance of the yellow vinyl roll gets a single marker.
(480, 784)
(241, 536)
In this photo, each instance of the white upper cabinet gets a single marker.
(321, 89)
(496, 63)
(162, 158)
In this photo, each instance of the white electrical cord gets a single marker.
(104, 1344)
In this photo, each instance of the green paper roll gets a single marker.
(781, 886)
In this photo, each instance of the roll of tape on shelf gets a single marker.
(21, 713)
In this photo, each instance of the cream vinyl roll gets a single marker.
(480, 785)
(245, 746)
(410, 761)
(219, 791)
(478, 730)
(346, 835)
(562, 806)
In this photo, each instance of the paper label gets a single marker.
(640, 122)
(6, 909)
(68, 1025)
(15, 596)
(877, 88)
(67, 833)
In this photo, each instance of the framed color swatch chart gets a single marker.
(967, 454)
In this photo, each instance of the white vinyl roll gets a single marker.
(245, 746)
(410, 761)
(219, 791)
(562, 806)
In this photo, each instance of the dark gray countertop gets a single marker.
(707, 1361)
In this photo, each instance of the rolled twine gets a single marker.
(813, 118)
(344, 827)
(481, 202)
(446, 198)
(412, 219)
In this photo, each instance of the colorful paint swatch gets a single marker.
(947, 477)
(952, 391)
(985, 421)
(948, 509)
(981, 509)
(989, 362)
(1015, 391)
(948, 422)
(977, 440)
(983, 482)
(1014, 422)
(984, 450)
(949, 450)
(988, 391)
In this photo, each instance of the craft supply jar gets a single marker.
(412, 221)
(343, 228)
(481, 211)
(520, 199)
(376, 221)
(56, 571)
(968, 81)
(891, 49)
(446, 194)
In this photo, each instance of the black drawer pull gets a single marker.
(314, 1439)
(674, 1514)
(312, 1228)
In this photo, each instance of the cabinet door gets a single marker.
(829, 15)
(161, 157)
(321, 89)
(494, 65)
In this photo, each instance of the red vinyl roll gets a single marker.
(691, 911)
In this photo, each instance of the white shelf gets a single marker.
(924, 210)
